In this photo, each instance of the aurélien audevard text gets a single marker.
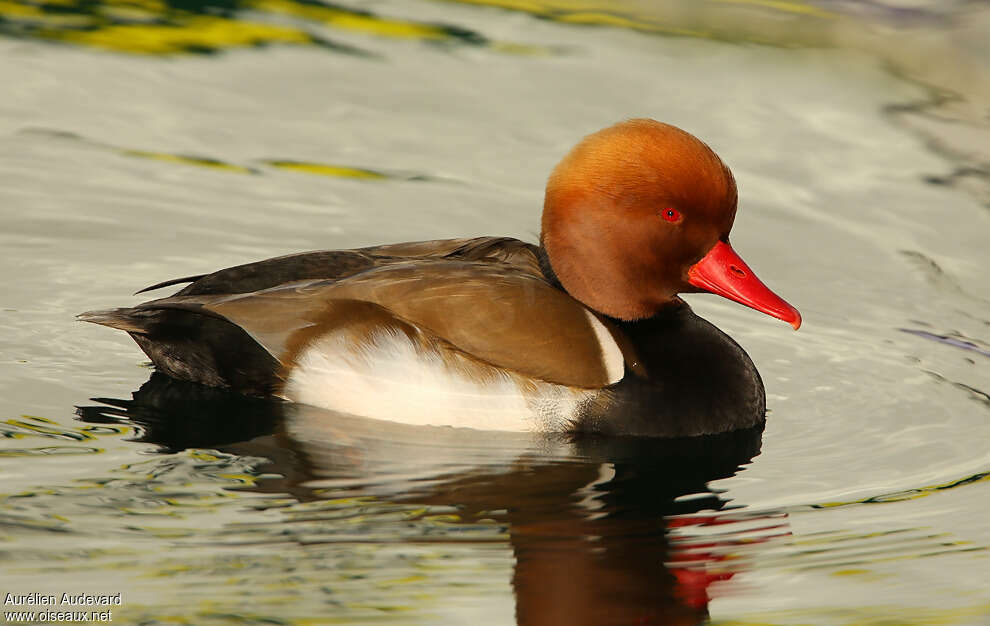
(62, 607)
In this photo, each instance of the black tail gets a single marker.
(121, 319)
(196, 345)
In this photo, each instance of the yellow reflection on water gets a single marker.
(189, 160)
(191, 34)
(154, 27)
(909, 494)
(333, 170)
(338, 17)
(326, 169)
(33, 426)
(668, 18)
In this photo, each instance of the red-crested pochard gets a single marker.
(582, 333)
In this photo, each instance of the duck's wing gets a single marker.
(490, 312)
(339, 264)
(518, 254)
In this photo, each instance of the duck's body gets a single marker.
(490, 333)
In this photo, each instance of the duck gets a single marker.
(583, 332)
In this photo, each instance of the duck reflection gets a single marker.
(600, 527)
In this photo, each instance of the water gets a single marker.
(134, 152)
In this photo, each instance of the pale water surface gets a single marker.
(141, 141)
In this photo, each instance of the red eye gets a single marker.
(671, 215)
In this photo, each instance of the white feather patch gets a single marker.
(390, 377)
(615, 364)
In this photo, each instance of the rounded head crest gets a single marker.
(629, 210)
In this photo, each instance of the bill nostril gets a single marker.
(738, 271)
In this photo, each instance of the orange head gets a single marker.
(637, 213)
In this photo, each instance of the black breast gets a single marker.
(697, 381)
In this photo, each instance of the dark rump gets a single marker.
(199, 347)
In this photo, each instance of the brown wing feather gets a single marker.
(339, 264)
(491, 311)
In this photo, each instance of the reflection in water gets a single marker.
(937, 45)
(604, 531)
(880, 470)
(181, 27)
(959, 341)
(257, 167)
(34, 426)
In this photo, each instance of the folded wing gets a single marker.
(491, 312)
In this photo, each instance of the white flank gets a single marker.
(615, 365)
(392, 378)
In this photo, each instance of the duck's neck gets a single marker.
(673, 306)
